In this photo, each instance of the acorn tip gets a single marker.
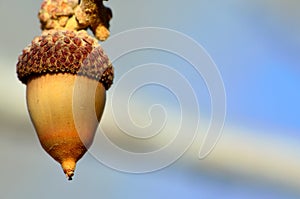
(70, 174)
(69, 167)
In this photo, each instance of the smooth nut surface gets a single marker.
(65, 110)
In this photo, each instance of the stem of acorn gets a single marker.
(70, 15)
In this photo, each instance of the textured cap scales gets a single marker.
(64, 51)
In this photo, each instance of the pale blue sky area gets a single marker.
(254, 44)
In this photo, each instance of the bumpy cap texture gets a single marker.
(64, 51)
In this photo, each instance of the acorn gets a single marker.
(67, 74)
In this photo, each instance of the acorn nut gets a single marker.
(67, 74)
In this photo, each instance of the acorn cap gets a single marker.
(65, 51)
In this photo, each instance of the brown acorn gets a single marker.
(67, 75)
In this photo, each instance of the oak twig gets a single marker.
(76, 15)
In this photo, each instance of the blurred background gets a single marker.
(255, 45)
